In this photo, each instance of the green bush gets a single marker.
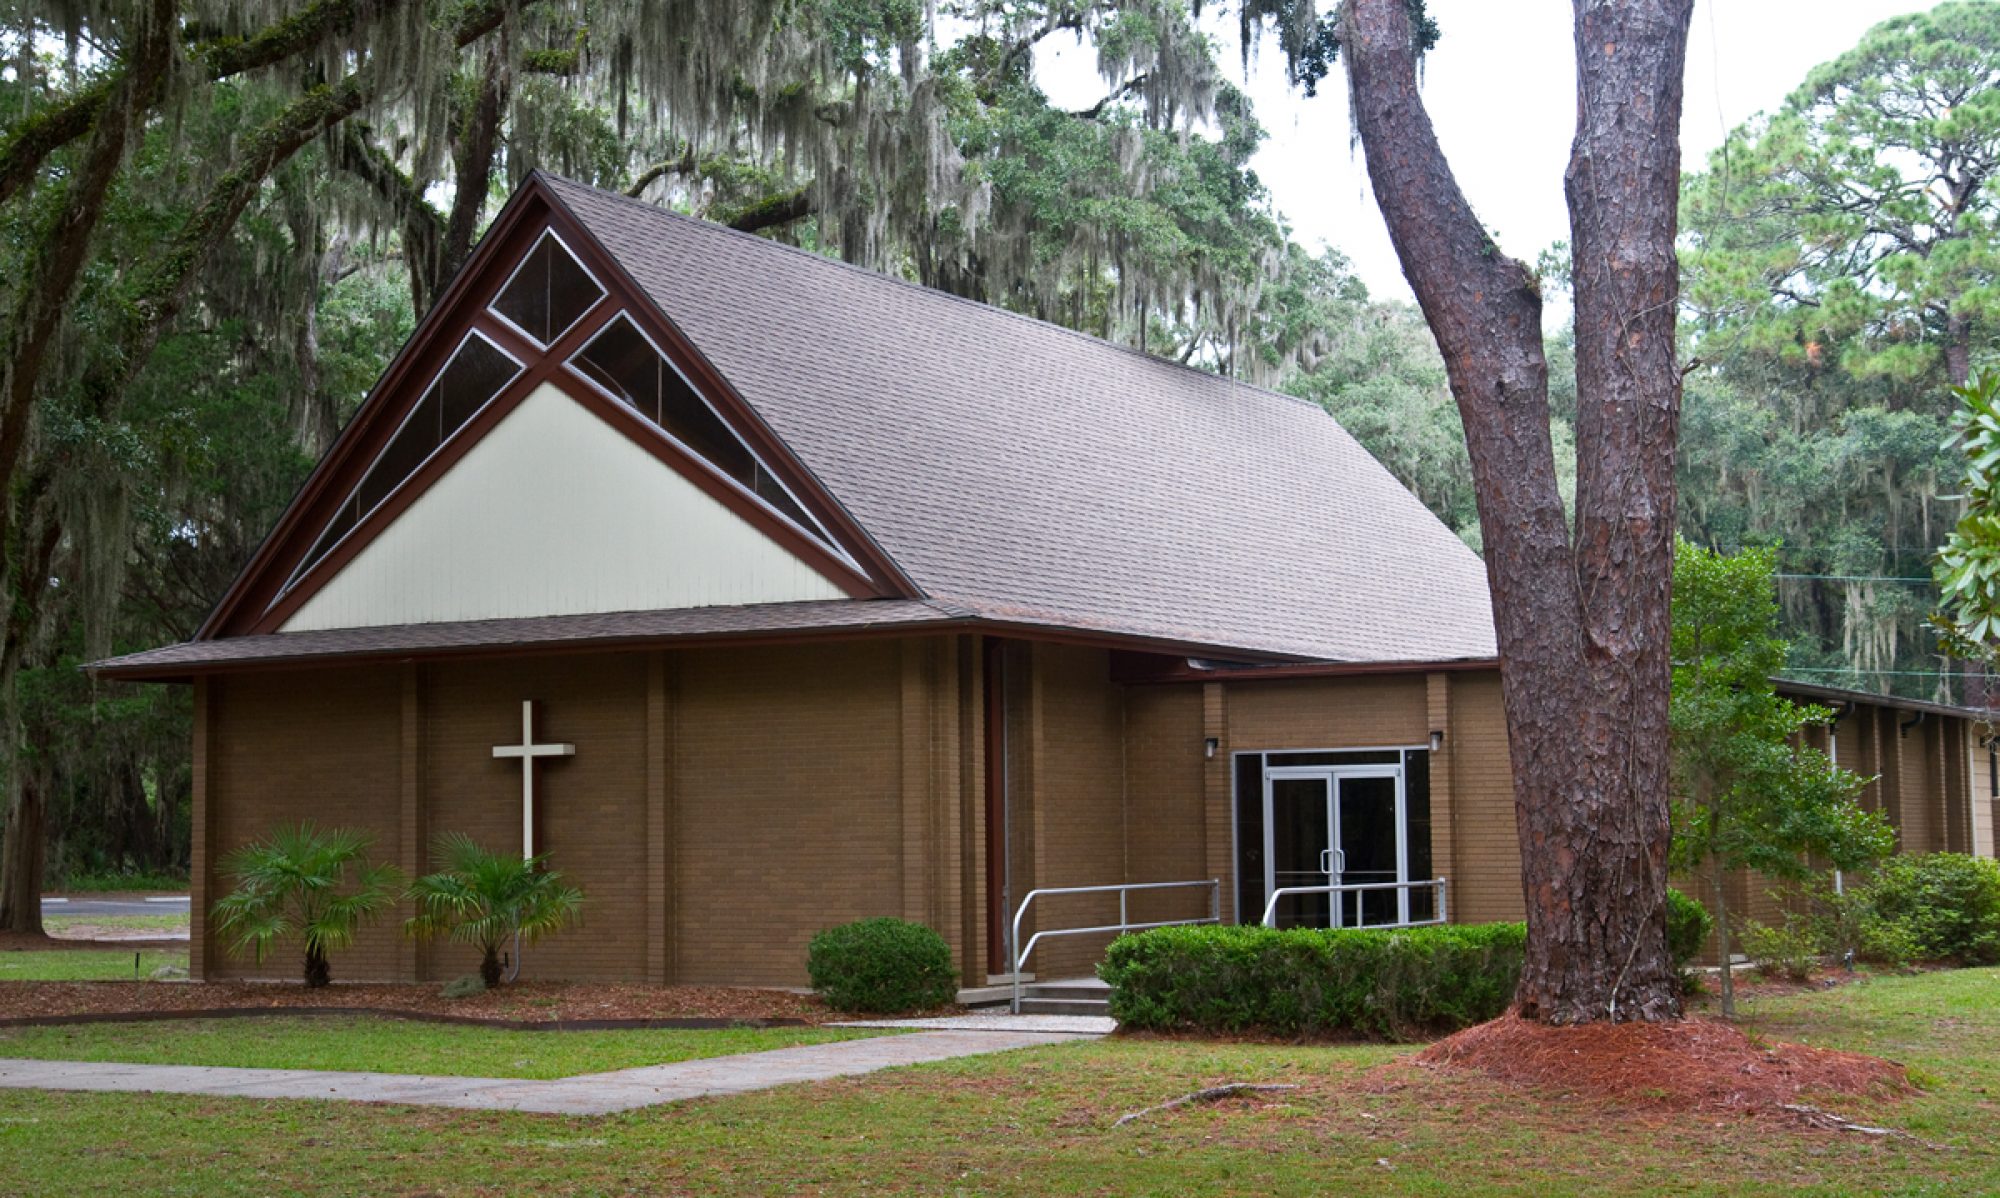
(1688, 928)
(1391, 983)
(1934, 907)
(881, 967)
(1789, 950)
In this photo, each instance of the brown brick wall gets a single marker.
(281, 750)
(1486, 882)
(786, 781)
(1328, 713)
(1165, 805)
(590, 809)
(1078, 799)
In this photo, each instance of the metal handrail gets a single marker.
(1441, 884)
(1017, 952)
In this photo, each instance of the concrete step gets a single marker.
(1094, 990)
(1036, 1005)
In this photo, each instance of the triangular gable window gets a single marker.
(477, 372)
(548, 292)
(624, 363)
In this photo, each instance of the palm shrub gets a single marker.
(486, 899)
(317, 885)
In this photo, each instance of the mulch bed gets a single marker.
(523, 1004)
(1694, 1064)
(18, 942)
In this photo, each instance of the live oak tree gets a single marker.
(1748, 793)
(1581, 613)
(208, 211)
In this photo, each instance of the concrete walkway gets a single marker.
(586, 1094)
(999, 1019)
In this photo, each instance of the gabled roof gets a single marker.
(1017, 468)
(1013, 472)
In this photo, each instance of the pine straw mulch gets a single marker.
(1694, 1064)
(521, 1002)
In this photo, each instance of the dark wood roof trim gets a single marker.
(736, 411)
(1835, 695)
(1152, 669)
(946, 620)
(265, 574)
(264, 595)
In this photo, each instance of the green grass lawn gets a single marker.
(59, 925)
(1039, 1122)
(85, 964)
(376, 1045)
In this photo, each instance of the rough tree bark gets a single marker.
(1582, 621)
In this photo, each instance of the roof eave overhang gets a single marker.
(128, 670)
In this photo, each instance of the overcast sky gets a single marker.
(1501, 88)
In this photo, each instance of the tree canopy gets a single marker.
(1842, 257)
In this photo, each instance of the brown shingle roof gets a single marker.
(1022, 470)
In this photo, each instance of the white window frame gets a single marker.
(603, 292)
(1332, 773)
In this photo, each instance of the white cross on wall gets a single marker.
(527, 751)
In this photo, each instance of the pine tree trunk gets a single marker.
(1582, 623)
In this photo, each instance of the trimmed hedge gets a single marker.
(1388, 983)
(881, 966)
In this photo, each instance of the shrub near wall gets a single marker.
(881, 966)
(1393, 984)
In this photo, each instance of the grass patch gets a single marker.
(86, 964)
(1039, 1122)
(57, 925)
(368, 1044)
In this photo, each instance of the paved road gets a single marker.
(175, 905)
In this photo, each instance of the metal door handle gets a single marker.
(1326, 861)
(1340, 861)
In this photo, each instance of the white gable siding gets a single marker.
(554, 512)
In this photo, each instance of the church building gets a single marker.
(764, 593)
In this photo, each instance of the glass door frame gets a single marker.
(1333, 776)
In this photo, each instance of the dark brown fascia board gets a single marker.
(1836, 694)
(455, 314)
(548, 365)
(549, 368)
(334, 462)
(744, 417)
(1180, 670)
(948, 624)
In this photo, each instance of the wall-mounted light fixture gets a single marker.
(1209, 746)
(1437, 739)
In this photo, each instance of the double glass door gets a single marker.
(1336, 826)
